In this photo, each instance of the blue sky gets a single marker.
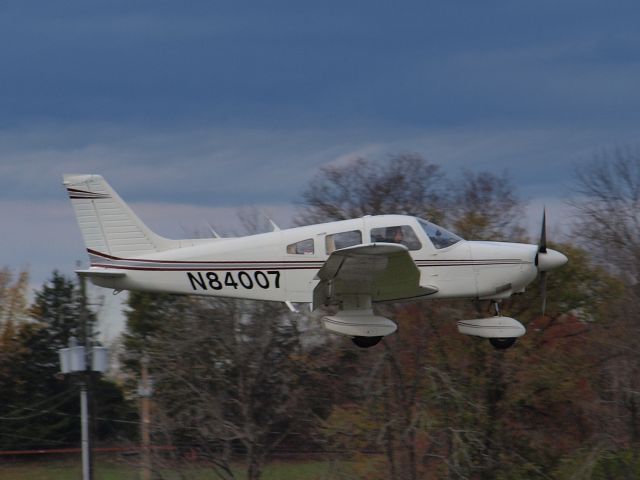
(194, 109)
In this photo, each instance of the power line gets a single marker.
(105, 419)
(38, 412)
(25, 437)
(44, 400)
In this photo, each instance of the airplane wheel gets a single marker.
(502, 343)
(366, 342)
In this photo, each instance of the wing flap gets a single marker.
(381, 271)
(358, 259)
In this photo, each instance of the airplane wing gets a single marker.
(383, 271)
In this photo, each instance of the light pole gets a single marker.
(73, 360)
(145, 390)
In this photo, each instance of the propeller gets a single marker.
(542, 244)
(546, 259)
(542, 248)
(543, 289)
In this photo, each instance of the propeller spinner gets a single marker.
(546, 260)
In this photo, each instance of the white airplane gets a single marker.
(343, 266)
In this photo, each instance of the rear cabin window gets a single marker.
(402, 234)
(340, 240)
(303, 247)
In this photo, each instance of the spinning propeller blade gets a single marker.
(543, 289)
(542, 244)
(542, 248)
(546, 260)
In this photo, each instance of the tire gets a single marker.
(366, 342)
(502, 343)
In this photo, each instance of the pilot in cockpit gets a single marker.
(394, 235)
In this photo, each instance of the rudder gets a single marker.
(107, 223)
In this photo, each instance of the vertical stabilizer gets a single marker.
(107, 224)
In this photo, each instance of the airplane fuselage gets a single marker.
(282, 265)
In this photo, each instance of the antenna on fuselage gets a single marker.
(213, 232)
(276, 228)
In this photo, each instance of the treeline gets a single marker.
(39, 407)
(238, 381)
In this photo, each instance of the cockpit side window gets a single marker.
(340, 240)
(440, 237)
(303, 247)
(402, 234)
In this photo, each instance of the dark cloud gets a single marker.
(229, 104)
(331, 63)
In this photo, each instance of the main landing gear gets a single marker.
(500, 343)
(366, 342)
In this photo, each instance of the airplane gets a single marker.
(340, 268)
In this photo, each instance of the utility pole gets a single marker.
(81, 362)
(73, 361)
(87, 470)
(145, 391)
(85, 384)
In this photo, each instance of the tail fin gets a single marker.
(107, 224)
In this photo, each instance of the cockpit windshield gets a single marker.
(440, 237)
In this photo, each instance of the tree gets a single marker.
(608, 209)
(484, 206)
(13, 313)
(40, 409)
(398, 389)
(440, 405)
(13, 297)
(403, 184)
(608, 224)
(231, 377)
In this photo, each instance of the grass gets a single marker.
(106, 470)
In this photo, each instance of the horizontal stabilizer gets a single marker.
(107, 278)
(359, 323)
(101, 273)
(492, 327)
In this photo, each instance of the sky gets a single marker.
(193, 110)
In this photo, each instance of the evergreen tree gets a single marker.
(40, 408)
